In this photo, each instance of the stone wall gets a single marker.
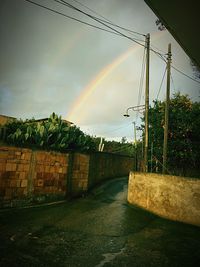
(173, 197)
(28, 176)
(80, 173)
(107, 165)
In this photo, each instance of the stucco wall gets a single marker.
(173, 197)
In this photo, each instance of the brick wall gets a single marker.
(173, 197)
(80, 173)
(28, 176)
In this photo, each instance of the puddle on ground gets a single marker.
(108, 257)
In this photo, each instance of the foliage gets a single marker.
(53, 134)
(122, 148)
(183, 134)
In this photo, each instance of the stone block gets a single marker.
(8, 167)
(26, 167)
(2, 167)
(52, 169)
(55, 176)
(40, 183)
(47, 168)
(22, 175)
(12, 183)
(64, 169)
(40, 175)
(20, 167)
(60, 170)
(3, 155)
(27, 156)
(8, 193)
(39, 157)
(24, 183)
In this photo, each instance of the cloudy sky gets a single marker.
(50, 63)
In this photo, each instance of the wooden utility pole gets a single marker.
(135, 141)
(147, 104)
(167, 110)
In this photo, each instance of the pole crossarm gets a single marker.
(135, 108)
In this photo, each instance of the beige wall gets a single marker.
(173, 197)
(5, 119)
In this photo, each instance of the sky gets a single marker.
(49, 63)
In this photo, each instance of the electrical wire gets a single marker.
(172, 66)
(117, 129)
(97, 19)
(109, 21)
(70, 17)
(112, 30)
(186, 75)
(141, 82)
(172, 82)
(161, 83)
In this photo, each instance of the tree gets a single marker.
(183, 136)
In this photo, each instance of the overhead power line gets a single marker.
(97, 19)
(119, 128)
(181, 72)
(112, 30)
(141, 82)
(109, 21)
(161, 83)
(70, 17)
(173, 83)
(186, 75)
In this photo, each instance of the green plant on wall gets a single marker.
(53, 134)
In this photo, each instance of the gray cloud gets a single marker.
(47, 61)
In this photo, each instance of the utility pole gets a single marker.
(135, 141)
(167, 110)
(147, 104)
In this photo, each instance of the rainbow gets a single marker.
(99, 78)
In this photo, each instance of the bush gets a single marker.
(54, 134)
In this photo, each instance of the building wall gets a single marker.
(5, 119)
(29, 176)
(173, 197)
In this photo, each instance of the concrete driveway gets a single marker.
(98, 230)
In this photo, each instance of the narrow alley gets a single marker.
(100, 229)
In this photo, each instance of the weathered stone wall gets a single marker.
(173, 197)
(80, 173)
(107, 165)
(31, 175)
(28, 176)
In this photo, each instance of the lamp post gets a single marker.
(135, 108)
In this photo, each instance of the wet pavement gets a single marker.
(98, 230)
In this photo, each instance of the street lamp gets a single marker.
(135, 108)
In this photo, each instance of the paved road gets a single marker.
(98, 230)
